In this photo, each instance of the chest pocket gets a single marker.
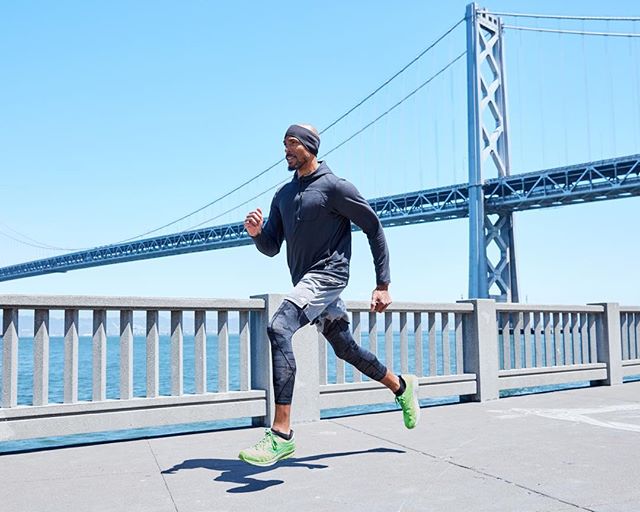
(312, 203)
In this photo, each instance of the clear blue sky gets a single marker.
(118, 117)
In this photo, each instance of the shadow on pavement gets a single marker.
(241, 473)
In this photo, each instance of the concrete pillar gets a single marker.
(609, 344)
(481, 348)
(10, 358)
(41, 357)
(306, 404)
(99, 355)
(71, 322)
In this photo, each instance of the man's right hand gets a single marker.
(253, 222)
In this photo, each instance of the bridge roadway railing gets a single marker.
(172, 363)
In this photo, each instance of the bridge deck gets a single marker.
(562, 451)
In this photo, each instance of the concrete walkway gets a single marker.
(563, 451)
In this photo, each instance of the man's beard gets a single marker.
(294, 167)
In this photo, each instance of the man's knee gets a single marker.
(338, 334)
(286, 321)
(332, 329)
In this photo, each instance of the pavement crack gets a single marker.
(164, 480)
(463, 466)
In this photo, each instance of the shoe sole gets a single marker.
(414, 395)
(267, 463)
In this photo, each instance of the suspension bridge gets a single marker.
(489, 198)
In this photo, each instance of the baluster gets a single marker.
(457, 318)
(126, 354)
(576, 344)
(547, 339)
(566, 336)
(373, 333)
(200, 351)
(433, 351)
(357, 336)
(41, 357)
(557, 338)
(70, 356)
(624, 335)
(593, 330)
(177, 349)
(584, 339)
(388, 339)
(517, 339)
(99, 355)
(538, 326)
(223, 351)
(528, 347)
(417, 337)
(505, 322)
(153, 360)
(636, 344)
(244, 350)
(404, 343)
(446, 344)
(10, 357)
(322, 358)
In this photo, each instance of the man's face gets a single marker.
(295, 153)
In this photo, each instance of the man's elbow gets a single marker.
(269, 251)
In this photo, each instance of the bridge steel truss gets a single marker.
(594, 181)
(488, 152)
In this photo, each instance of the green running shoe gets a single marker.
(269, 450)
(408, 401)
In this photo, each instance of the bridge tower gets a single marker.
(492, 259)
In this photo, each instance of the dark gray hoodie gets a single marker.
(314, 214)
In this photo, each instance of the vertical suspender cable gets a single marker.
(564, 81)
(586, 94)
(419, 112)
(453, 116)
(636, 88)
(436, 141)
(541, 102)
(435, 110)
(612, 107)
(518, 75)
(403, 134)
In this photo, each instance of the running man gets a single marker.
(313, 213)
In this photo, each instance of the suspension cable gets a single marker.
(561, 16)
(263, 172)
(358, 132)
(576, 32)
(397, 104)
(332, 124)
(407, 66)
(28, 240)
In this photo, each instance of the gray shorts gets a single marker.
(318, 295)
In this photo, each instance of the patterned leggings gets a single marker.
(285, 322)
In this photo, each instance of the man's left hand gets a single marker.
(380, 299)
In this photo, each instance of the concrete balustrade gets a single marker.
(18, 421)
(438, 353)
(549, 345)
(473, 349)
(630, 340)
